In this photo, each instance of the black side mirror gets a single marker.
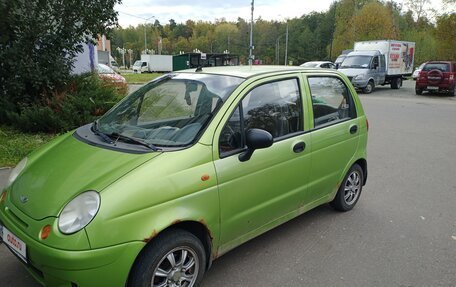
(256, 139)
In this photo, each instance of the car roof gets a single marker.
(440, 62)
(249, 71)
(317, 62)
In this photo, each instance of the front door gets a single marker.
(261, 191)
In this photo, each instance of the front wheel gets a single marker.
(369, 88)
(174, 259)
(349, 191)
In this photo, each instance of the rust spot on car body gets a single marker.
(154, 233)
(203, 222)
(176, 221)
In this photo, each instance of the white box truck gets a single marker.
(153, 63)
(380, 62)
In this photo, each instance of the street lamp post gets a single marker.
(212, 42)
(130, 51)
(145, 35)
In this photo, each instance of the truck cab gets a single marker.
(365, 69)
(140, 67)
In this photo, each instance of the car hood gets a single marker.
(353, 72)
(64, 168)
(113, 77)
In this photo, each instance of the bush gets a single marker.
(84, 99)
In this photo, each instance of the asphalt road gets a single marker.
(402, 232)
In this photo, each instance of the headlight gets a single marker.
(359, 77)
(16, 171)
(79, 212)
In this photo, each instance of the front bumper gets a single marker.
(358, 84)
(50, 266)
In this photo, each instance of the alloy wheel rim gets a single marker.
(352, 188)
(178, 268)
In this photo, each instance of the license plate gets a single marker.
(432, 88)
(14, 243)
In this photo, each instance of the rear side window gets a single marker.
(443, 67)
(275, 107)
(331, 101)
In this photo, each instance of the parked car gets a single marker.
(107, 73)
(417, 71)
(437, 76)
(319, 64)
(183, 170)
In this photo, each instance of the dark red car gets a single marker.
(437, 76)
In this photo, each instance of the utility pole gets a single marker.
(286, 46)
(251, 38)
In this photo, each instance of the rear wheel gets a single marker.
(418, 91)
(349, 191)
(369, 88)
(454, 91)
(175, 259)
(396, 83)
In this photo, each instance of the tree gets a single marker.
(38, 43)
(374, 21)
(446, 37)
(419, 8)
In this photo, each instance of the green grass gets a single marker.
(14, 144)
(140, 78)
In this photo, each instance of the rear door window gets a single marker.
(331, 100)
(443, 67)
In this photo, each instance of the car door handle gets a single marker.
(299, 147)
(353, 129)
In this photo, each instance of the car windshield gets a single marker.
(137, 63)
(361, 62)
(443, 67)
(170, 111)
(339, 59)
(103, 69)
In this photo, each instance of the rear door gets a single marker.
(334, 136)
(257, 193)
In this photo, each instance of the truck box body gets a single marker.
(399, 55)
(158, 63)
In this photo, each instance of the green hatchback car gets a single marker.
(183, 170)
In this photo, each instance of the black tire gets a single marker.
(418, 91)
(171, 243)
(350, 189)
(396, 83)
(369, 88)
(453, 94)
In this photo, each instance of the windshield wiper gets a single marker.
(104, 136)
(136, 141)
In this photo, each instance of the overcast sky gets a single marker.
(133, 12)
